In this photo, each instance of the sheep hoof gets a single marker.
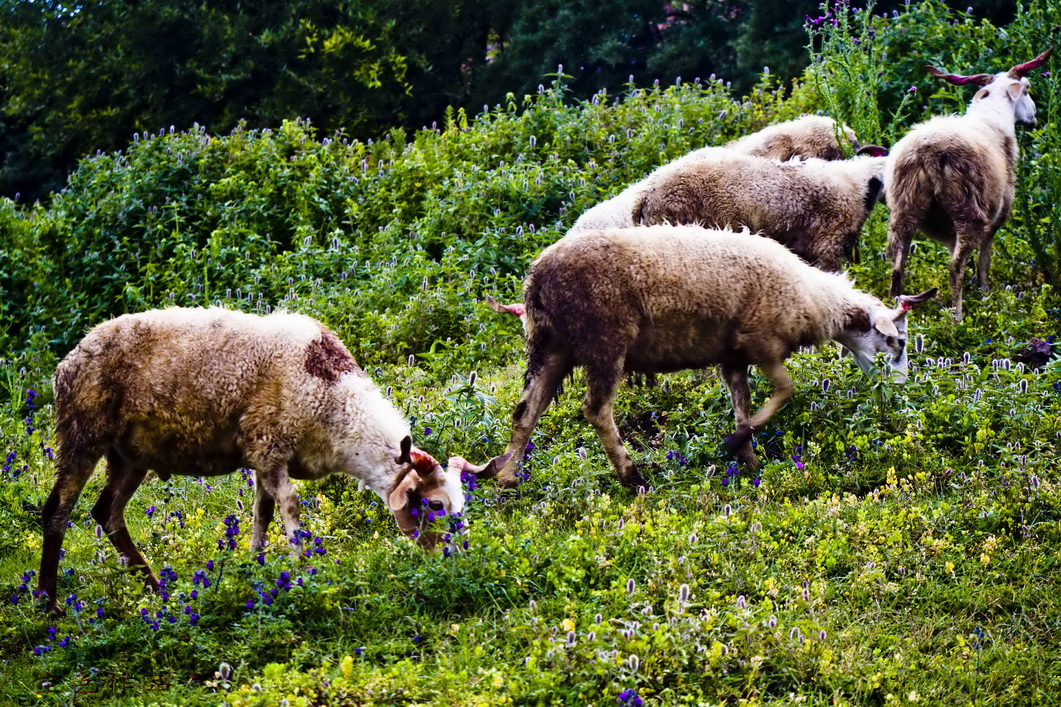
(508, 482)
(633, 480)
(733, 443)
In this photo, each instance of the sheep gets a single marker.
(814, 207)
(666, 298)
(952, 177)
(809, 136)
(202, 392)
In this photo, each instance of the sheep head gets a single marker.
(422, 492)
(1006, 92)
(881, 330)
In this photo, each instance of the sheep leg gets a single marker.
(277, 484)
(900, 237)
(71, 477)
(963, 248)
(537, 394)
(983, 263)
(264, 505)
(600, 396)
(123, 480)
(736, 378)
(775, 370)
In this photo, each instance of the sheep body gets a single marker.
(202, 392)
(814, 207)
(664, 298)
(809, 136)
(953, 177)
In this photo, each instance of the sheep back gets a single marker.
(952, 169)
(675, 297)
(179, 389)
(808, 136)
(815, 208)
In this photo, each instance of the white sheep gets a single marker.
(814, 207)
(665, 298)
(809, 136)
(203, 392)
(952, 177)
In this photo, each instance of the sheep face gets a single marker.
(881, 330)
(425, 492)
(885, 335)
(1006, 93)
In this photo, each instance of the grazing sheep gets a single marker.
(815, 208)
(203, 392)
(809, 136)
(952, 177)
(666, 298)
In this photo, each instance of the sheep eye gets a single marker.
(435, 505)
(902, 344)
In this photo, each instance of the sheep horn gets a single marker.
(1020, 70)
(872, 151)
(516, 309)
(484, 471)
(906, 302)
(958, 79)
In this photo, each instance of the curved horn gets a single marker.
(516, 309)
(485, 471)
(1020, 70)
(958, 79)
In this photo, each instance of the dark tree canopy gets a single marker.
(83, 76)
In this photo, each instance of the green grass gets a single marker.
(899, 545)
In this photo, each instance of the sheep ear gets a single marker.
(423, 462)
(872, 151)
(399, 497)
(885, 326)
(403, 457)
(982, 93)
(1015, 90)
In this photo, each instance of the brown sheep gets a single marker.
(813, 207)
(666, 298)
(203, 392)
(809, 136)
(952, 177)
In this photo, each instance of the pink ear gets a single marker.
(422, 461)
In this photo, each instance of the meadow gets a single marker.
(899, 544)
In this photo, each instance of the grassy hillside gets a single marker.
(899, 545)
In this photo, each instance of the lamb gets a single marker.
(814, 207)
(666, 298)
(809, 136)
(952, 177)
(202, 392)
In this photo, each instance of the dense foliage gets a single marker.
(900, 544)
(77, 77)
